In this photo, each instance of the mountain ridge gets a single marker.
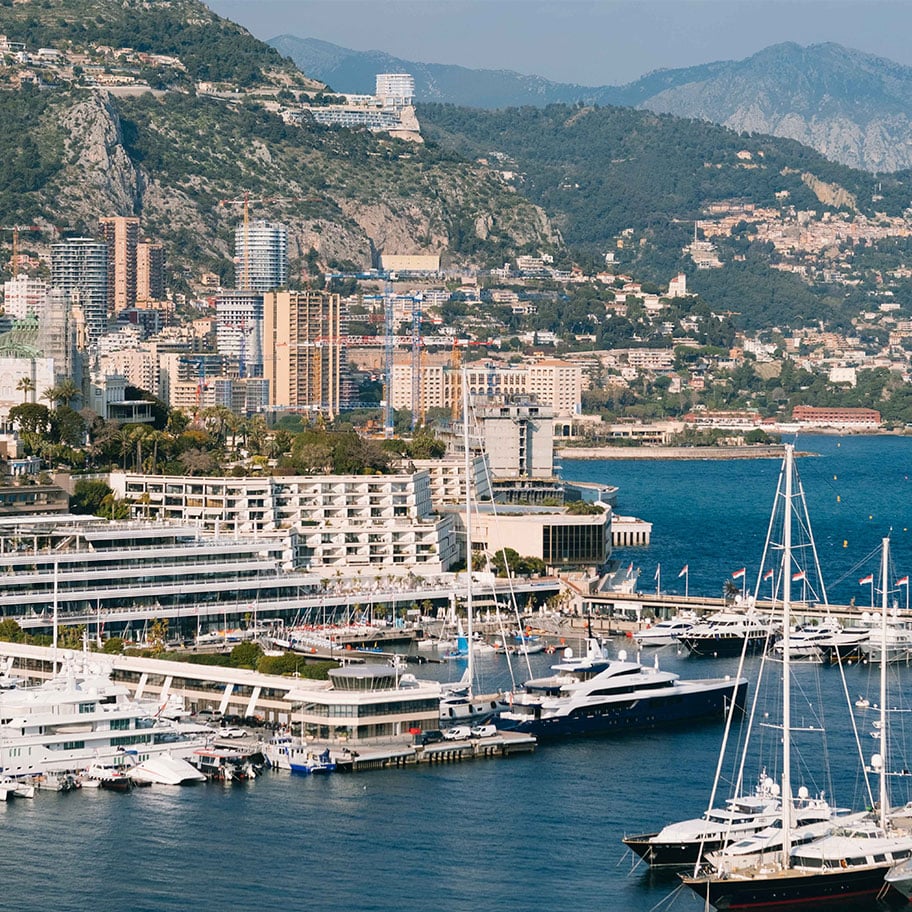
(851, 106)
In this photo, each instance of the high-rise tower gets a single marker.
(79, 266)
(261, 256)
(304, 352)
(121, 235)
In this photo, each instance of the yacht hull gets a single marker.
(790, 889)
(630, 715)
(724, 646)
(681, 855)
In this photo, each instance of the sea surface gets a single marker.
(538, 832)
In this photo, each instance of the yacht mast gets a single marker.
(786, 660)
(468, 529)
(884, 569)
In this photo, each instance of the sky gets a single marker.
(589, 42)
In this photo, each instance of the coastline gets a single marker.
(771, 451)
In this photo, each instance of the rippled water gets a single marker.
(537, 832)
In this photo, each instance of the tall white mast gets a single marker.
(468, 530)
(884, 745)
(786, 660)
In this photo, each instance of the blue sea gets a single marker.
(533, 833)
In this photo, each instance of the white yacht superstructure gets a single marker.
(78, 718)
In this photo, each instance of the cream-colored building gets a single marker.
(121, 234)
(346, 522)
(304, 351)
(553, 383)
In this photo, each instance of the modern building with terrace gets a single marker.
(323, 522)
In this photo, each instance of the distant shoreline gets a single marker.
(762, 451)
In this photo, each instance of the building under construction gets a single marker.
(304, 351)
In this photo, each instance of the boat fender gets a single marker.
(843, 863)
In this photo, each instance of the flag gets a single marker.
(903, 581)
(630, 570)
(684, 572)
(866, 579)
(658, 570)
(768, 575)
(800, 575)
(739, 574)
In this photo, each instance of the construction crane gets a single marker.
(15, 229)
(246, 200)
(417, 411)
(389, 421)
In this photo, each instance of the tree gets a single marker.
(11, 632)
(25, 386)
(88, 496)
(31, 417)
(158, 635)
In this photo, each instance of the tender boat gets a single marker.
(596, 695)
(665, 632)
(166, 770)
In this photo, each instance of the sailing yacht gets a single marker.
(850, 860)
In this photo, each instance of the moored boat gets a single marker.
(728, 634)
(597, 695)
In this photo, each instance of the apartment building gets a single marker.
(327, 522)
(121, 234)
(303, 351)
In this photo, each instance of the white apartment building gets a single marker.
(376, 523)
(395, 90)
(138, 365)
(23, 295)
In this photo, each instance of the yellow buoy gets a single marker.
(845, 543)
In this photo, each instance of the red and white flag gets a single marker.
(903, 581)
(800, 575)
(866, 579)
(739, 574)
(684, 572)
(768, 575)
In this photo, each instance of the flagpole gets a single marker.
(687, 585)
(872, 593)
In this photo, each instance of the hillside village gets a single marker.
(99, 322)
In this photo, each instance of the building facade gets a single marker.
(121, 234)
(346, 522)
(239, 330)
(150, 272)
(304, 351)
(261, 256)
(79, 266)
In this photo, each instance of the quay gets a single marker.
(619, 613)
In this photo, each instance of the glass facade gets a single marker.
(576, 544)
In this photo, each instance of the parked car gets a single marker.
(230, 732)
(457, 733)
(207, 715)
(431, 736)
(483, 731)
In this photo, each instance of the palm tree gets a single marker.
(25, 386)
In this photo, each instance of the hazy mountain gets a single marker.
(854, 108)
(354, 71)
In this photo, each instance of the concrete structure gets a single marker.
(564, 541)
(121, 235)
(261, 255)
(553, 383)
(303, 351)
(850, 419)
(24, 295)
(346, 522)
(239, 330)
(79, 267)
(518, 440)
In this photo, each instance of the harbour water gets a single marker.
(535, 832)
